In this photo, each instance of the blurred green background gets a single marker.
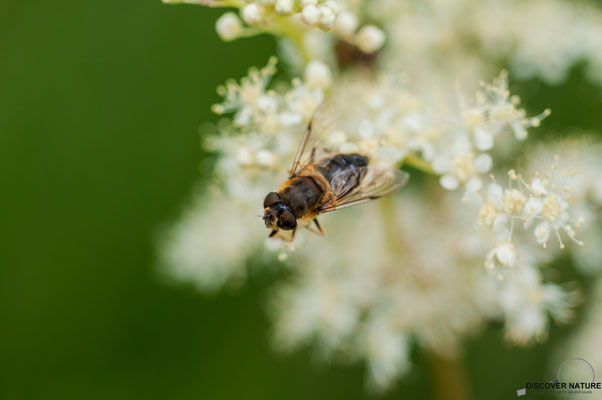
(99, 150)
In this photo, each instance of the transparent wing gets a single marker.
(314, 143)
(360, 185)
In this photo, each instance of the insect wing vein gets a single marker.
(374, 183)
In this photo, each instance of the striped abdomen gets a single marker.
(329, 167)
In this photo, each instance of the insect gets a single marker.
(321, 184)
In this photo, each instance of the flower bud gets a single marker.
(228, 26)
(327, 18)
(370, 39)
(317, 75)
(285, 7)
(346, 24)
(251, 14)
(311, 14)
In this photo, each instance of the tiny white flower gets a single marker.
(349, 147)
(317, 75)
(487, 214)
(346, 24)
(266, 158)
(542, 233)
(514, 201)
(311, 14)
(337, 138)
(501, 227)
(463, 165)
(370, 38)
(533, 207)
(289, 118)
(387, 353)
(251, 13)
(483, 163)
(502, 255)
(366, 129)
(495, 194)
(414, 122)
(538, 187)
(333, 5)
(228, 26)
(243, 116)
(245, 156)
(285, 7)
(327, 18)
(441, 164)
(449, 182)
(483, 139)
(474, 184)
(506, 254)
(267, 104)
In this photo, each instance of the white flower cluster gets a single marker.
(293, 19)
(380, 117)
(542, 38)
(318, 13)
(367, 301)
(415, 277)
(388, 120)
(526, 301)
(196, 249)
(583, 156)
(544, 204)
(267, 111)
(255, 149)
(351, 302)
(537, 38)
(462, 157)
(408, 269)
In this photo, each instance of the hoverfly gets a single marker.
(322, 183)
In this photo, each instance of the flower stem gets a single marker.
(448, 377)
(416, 162)
(393, 235)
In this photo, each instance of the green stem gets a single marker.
(280, 26)
(394, 238)
(448, 378)
(416, 162)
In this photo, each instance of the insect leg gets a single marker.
(273, 233)
(319, 226)
(291, 238)
(318, 230)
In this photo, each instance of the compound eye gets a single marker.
(271, 199)
(287, 220)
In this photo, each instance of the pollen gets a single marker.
(487, 214)
(463, 166)
(551, 208)
(514, 201)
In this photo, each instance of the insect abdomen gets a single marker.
(301, 195)
(329, 167)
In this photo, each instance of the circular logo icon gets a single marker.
(579, 360)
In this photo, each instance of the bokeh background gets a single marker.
(101, 106)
